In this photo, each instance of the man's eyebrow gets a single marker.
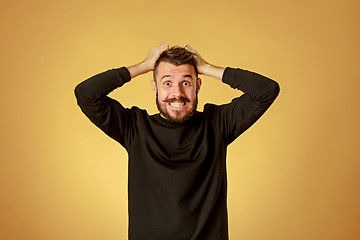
(188, 75)
(168, 75)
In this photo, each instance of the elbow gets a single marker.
(272, 92)
(275, 90)
(79, 91)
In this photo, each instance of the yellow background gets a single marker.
(295, 175)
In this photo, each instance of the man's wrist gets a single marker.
(138, 69)
(212, 71)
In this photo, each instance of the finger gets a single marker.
(187, 47)
(165, 46)
(190, 49)
(162, 48)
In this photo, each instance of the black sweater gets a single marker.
(177, 184)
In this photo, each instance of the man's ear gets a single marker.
(154, 87)
(198, 85)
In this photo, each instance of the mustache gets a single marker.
(174, 99)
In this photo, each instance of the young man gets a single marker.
(177, 184)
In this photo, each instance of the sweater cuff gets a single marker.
(123, 75)
(229, 74)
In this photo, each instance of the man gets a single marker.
(177, 185)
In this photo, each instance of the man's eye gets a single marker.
(167, 83)
(186, 83)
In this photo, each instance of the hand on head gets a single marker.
(200, 62)
(156, 51)
(154, 55)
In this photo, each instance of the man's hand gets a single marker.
(201, 64)
(204, 67)
(154, 55)
(149, 63)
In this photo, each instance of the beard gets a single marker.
(177, 119)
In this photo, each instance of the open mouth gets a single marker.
(177, 104)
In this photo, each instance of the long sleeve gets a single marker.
(260, 88)
(106, 113)
(259, 93)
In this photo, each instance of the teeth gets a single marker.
(176, 104)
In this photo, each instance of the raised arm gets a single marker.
(106, 113)
(148, 64)
(204, 67)
(259, 87)
(237, 116)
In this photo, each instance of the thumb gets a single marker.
(189, 48)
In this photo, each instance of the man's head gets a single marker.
(176, 84)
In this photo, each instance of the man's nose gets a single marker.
(177, 90)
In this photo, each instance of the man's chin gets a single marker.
(177, 117)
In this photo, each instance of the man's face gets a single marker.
(176, 90)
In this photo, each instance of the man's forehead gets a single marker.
(170, 69)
